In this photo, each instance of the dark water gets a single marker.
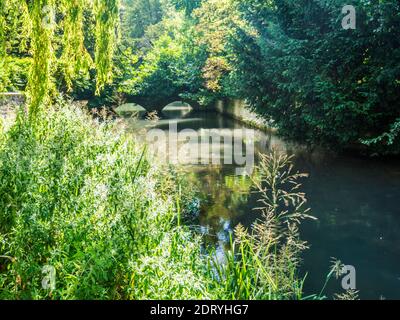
(356, 201)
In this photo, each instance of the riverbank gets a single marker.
(85, 200)
(9, 103)
(239, 110)
(82, 202)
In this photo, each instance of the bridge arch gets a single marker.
(177, 109)
(159, 103)
(129, 109)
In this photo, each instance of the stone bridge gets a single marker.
(159, 103)
(9, 102)
(154, 103)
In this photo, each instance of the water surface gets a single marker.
(355, 200)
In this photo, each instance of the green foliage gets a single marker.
(217, 22)
(387, 142)
(107, 17)
(2, 30)
(172, 69)
(59, 58)
(40, 82)
(82, 197)
(292, 61)
(16, 28)
(14, 74)
(74, 59)
(322, 84)
(139, 15)
(263, 263)
(187, 5)
(155, 70)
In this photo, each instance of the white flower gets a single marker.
(101, 192)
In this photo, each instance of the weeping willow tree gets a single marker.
(2, 42)
(12, 30)
(75, 58)
(107, 17)
(40, 81)
(43, 23)
(2, 29)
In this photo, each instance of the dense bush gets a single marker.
(322, 84)
(79, 196)
(14, 74)
(171, 69)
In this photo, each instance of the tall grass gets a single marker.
(83, 197)
(264, 261)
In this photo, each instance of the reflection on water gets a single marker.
(354, 199)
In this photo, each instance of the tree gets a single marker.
(217, 21)
(171, 69)
(322, 84)
(187, 5)
(141, 14)
(40, 19)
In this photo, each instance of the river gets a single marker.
(354, 199)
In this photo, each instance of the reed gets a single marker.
(264, 261)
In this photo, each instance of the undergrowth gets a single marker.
(82, 197)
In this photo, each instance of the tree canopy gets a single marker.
(293, 62)
(52, 33)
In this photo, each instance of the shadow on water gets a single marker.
(354, 199)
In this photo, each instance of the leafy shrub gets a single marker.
(14, 74)
(82, 197)
(322, 84)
